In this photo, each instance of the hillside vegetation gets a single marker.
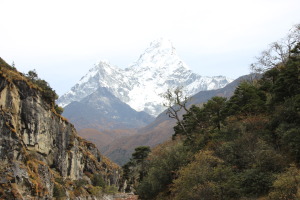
(244, 147)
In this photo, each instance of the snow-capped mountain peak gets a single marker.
(160, 57)
(141, 85)
(103, 67)
(161, 46)
(101, 75)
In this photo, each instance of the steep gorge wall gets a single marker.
(38, 147)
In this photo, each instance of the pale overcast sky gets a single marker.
(63, 39)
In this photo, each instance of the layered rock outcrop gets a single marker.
(41, 155)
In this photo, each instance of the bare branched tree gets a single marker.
(279, 52)
(175, 102)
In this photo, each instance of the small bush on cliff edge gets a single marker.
(97, 180)
(110, 189)
(95, 191)
(58, 191)
(48, 93)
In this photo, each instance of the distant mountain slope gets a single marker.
(105, 137)
(161, 129)
(227, 91)
(141, 85)
(101, 110)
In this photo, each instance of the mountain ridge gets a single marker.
(141, 84)
(101, 110)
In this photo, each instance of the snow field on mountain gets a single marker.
(142, 84)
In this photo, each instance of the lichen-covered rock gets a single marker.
(41, 155)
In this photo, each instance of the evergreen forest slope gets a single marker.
(244, 147)
(157, 132)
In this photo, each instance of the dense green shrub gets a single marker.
(97, 180)
(80, 183)
(110, 189)
(163, 163)
(58, 191)
(95, 191)
(59, 110)
(287, 185)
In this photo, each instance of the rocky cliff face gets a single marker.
(40, 153)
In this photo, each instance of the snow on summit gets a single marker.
(141, 85)
(161, 55)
